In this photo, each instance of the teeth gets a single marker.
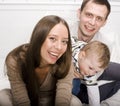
(90, 28)
(54, 54)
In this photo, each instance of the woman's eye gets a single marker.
(52, 38)
(65, 42)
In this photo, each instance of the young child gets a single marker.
(90, 59)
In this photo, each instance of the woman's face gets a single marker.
(55, 44)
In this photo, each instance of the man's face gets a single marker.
(92, 18)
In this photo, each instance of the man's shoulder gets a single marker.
(74, 39)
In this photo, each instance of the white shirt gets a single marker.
(111, 39)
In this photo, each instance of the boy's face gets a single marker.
(92, 18)
(89, 65)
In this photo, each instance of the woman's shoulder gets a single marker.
(16, 51)
(16, 54)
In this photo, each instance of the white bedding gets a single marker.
(4, 83)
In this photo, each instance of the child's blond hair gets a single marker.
(99, 49)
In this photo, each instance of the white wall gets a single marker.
(18, 18)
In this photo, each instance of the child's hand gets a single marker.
(78, 75)
(90, 80)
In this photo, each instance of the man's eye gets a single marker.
(88, 15)
(99, 19)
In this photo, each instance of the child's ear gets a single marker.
(82, 54)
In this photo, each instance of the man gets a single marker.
(91, 19)
(93, 15)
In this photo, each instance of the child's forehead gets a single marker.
(94, 62)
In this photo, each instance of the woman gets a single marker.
(35, 68)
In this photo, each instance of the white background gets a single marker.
(18, 18)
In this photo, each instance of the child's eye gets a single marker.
(90, 68)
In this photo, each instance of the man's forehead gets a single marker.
(97, 9)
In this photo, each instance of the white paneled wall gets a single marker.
(18, 18)
(16, 1)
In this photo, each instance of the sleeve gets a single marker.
(76, 47)
(92, 90)
(64, 89)
(111, 39)
(115, 48)
(112, 72)
(18, 88)
(93, 95)
(112, 101)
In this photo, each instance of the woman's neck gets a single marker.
(44, 66)
(42, 72)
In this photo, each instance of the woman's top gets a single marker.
(47, 89)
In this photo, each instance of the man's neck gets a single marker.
(84, 38)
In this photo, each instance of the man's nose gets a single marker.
(92, 21)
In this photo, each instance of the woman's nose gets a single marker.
(58, 45)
